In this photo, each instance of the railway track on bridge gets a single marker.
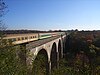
(37, 43)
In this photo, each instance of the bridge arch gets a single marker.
(40, 64)
(53, 56)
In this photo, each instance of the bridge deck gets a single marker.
(37, 43)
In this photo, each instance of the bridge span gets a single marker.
(52, 48)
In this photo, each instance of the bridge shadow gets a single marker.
(59, 50)
(53, 57)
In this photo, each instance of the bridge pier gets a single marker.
(58, 59)
(61, 52)
(62, 47)
(49, 68)
(22, 54)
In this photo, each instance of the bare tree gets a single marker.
(3, 7)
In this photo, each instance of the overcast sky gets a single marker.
(53, 14)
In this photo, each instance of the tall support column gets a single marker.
(49, 68)
(58, 60)
(62, 47)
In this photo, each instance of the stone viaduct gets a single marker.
(52, 49)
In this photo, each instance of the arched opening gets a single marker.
(64, 45)
(59, 49)
(53, 57)
(40, 64)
